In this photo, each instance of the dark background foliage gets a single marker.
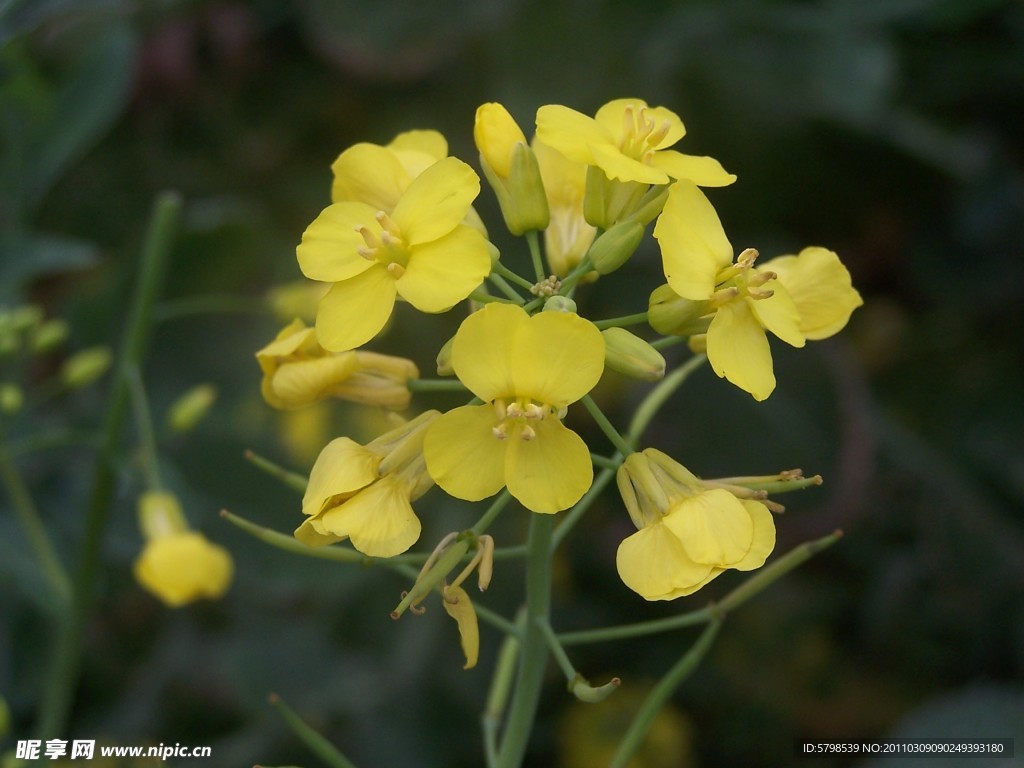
(888, 130)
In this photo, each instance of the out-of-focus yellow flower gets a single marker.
(568, 235)
(296, 299)
(629, 142)
(687, 534)
(178, 565)
(794, 297)
(511, 169)
(527, 370)
(297, 372)
(365, 493)
(420, 251)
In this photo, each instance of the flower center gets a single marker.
(641, 133)
(516, 419)
(389, 248)
(743, 280)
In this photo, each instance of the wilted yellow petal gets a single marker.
(184, 567)
(459, 607)
(653, 563)
(764, 536)
(378, 519)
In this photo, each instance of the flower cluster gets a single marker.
(402, 226)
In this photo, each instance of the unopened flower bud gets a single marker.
(671, 315)
(189, 409)
(50, 334)
(444, 359)
(614, 247)
(83, 368)
(11, 398)
(632, 356)
(560, 304)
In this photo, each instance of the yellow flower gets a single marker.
(568, 235)
(629, 142)
(511, 169)
(365, 493)
(178, 565)
(796, 297)
(419, 251)
(527, 370)
(687, 534)
(297, 372)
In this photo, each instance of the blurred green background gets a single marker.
(888, 130)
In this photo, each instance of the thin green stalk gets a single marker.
(505, 288)
(435, 385)
(497, 696)
(293, 480)
(620, 443)
(316, 743)
(514, 277)
(535, 257)
(637, 629)
(485, 298)
(656, 699)
(144, 425)
(604, 462)
(67, 654)
(492, 512)
(619, 322)
(657, 397)
(35, 529)
(667, 341)
(577, 274)
(534, 650)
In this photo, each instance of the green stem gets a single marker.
(32, 522)
(656, 398)
(606, 463)
(505, 288)
(492, 512)
(435, 385)
(497, 696)
(620, 443)
(144, 425)
(316, 743)
(209, 305)
(67, 654)
(534, 652)
(667, 341)
(485, 298)
(293, 480)
(634, 737)
(570, 280)
(508, 274)
(619, 322)
(538, 263)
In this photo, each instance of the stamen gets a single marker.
(747, 257)
(658, 133)
(760, 293)
(534, 412)
(500, 431)
(396, 269)
(528, 433)
(515, 410)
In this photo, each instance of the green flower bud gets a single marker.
(560, 304)
(614, 247)
(670, 314)
(189, 409)
(49, 335)
(632, 356)
(444, 359)
(83, 368)
(11, 398)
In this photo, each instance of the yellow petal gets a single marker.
(738, 349)
(653, 563)
(370, 174)
(611, 116)
(458, 605)
(436, 201)
(549, 472)
(355, 310)
(764, 536)
(418, 150)
(701, 170)
(184, 567)
(693, 244)
(821, 288)
(329, 248)
(342, 468)
(462, 454)
(570, 132)
(556, 358)
(620, 167)
(302, 382)
(379, 519)
(779, 314)
(443, 272)
(308, 534)
(713, 526)
(480, 362)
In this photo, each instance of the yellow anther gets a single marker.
(500, 431)
(528, 433)
(534, 412)
(760, 293)
(514, 411)
(747, 258)
(396, 269)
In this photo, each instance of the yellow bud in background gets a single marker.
(632, 356)
(189, 409)
(298, 299)
(85, 367)
(11, 398)
(613, 248)
(160, 514)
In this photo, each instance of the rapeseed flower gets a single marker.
(420, 251)
(527, 370)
